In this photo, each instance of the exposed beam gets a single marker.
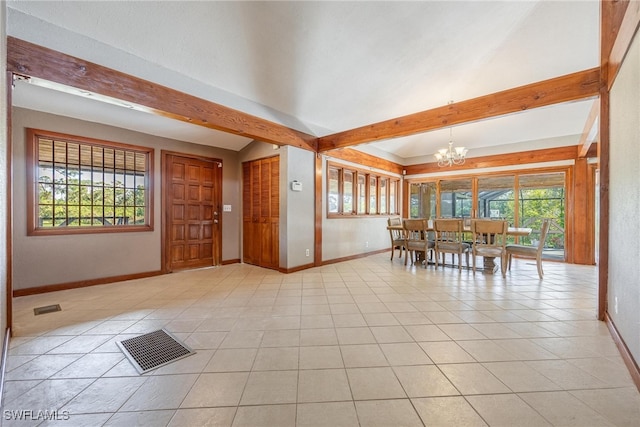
(507, 159)
(355, 156)
(571, 87)
(625, 33)
(590, 132)
(36, 61)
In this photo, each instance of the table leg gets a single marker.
(490, 265)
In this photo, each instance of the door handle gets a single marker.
(215, 221)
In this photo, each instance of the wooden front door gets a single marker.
(261, 212)
(192, 190)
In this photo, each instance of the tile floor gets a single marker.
(366, 342)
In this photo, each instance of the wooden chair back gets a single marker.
(449, 239)
(489, 240)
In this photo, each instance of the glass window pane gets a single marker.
(73, 194)
(333, 192)
(496, 198)
(393, 185)
(45, 172)
(140, 181)
(362, 194)
(86, 175)
(60, 216)
(347, 192)
(45, 194)
(45, 215)
(140, 197)
(455, 198)
(86, 196)
(373, 196)
(130, 181)
(60, 174)
(383, 195)
(422, 200)
(542, 196)
(60, 194)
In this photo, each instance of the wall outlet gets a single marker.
(306, 252)
(366, 244)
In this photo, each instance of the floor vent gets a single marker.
(47, 309)
(150, 351)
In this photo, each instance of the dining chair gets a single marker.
(489, 240)
(416, 238)
(396, 235)
(534, 251)
(449, 239)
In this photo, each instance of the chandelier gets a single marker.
(450, 156)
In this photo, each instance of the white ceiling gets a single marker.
(326, 67)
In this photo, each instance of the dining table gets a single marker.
(489, 264)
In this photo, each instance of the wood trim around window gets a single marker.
(32, 215)
(391, 180)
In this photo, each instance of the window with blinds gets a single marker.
(81, 185)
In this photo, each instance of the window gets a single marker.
(373, 195)
(383, 195)
(353, 192)
(422, 200)
(524, 199)
(333, 191)
(455, 198)
(347, 192)
(81, 185)
(362, 194)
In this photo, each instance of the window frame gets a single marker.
(33, 203)
(357, 197)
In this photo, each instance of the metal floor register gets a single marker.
(153, 350)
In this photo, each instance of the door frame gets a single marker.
(165, 247)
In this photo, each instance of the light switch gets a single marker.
(226, 208)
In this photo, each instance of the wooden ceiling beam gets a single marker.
(571, 87)
(36, 61)
(569, 152)
(590, 132)
(627, 28)
(354, 156)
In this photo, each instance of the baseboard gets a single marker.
(627, 357)
(231, 261)
(349, 258)
(298, 268)
(82, 283)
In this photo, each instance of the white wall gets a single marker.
(47, 260)
(297, 220)
(624, 202)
